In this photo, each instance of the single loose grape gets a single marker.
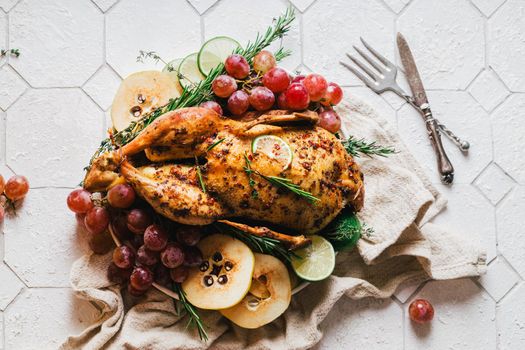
(421, 311)
(16, 187)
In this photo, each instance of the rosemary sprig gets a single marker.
(210, 147)
(195, 94)
(263, 245)
(278, 181)
(249, 172)
(357, 147)
(199, 174)
(194, 318)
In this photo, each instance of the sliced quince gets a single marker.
(139, 94)
(225, 275)
(269, 297)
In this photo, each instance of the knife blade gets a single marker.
(420, 100)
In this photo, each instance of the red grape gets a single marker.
(141, 278)
(333, 95)
(79, 201)
(330, 120)
(179, 274)
(276, 79)
(213, 106)
(138, 220)
(192, 256)
(316, 86)
(2, 184)
(238, 102)
(155, 238)
(121, 196)
(421, 311)
(264, 61)
(2, 214)
(120, 227)
(298, 79)
(117, 275)
(237, 66)
(101, 244)
(261, 98)
(135, 292)
(281, 101)
(16, 187)
(162, 275)
(96, 220)
(297, 97)
(172, 256)
(147, 257)
(124, 257)
(224, 86)
(188, 235)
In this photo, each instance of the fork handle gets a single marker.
(445, 168)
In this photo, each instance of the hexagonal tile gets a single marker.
(53, 133)
(43, 240)
(488, 90)
(202, 5)
(11, 88)
(507, 130)
(102, 86)
(104, 5)
(328, 35)
(350, 322)
(405, 291)
(460, 112)
(397, 5)
(499, 279)
(494, 183)
(6, 5)
(506, 36)
(511, 326)
(169, 28)
(487, 6)
(302, 5)
(61, 41)
(250, 20)
(464, 318)
(3, 35)
(374, 100)
(448, 46)
(511, 231)
(10, 286)
(43, 318)
(467, 205)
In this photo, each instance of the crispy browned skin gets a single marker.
(320, 166)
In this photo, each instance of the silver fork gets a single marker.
(384, 79)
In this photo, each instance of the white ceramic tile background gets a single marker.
(53, 110)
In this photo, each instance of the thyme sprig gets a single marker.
(357, 147)
(194, 317)
(277, 181)
(199, 174)
(193, 95)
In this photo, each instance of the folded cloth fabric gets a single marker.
(403, 247)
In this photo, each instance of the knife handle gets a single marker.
(445, 168)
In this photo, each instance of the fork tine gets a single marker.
(369, 59)
(360, 75)
(378, 55)
(363, 67)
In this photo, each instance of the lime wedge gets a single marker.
(274, 147)
(190, 71)
(315, 262)
(214, 52)
(172, 70)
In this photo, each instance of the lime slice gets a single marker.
(214, 52)
(172, 69)
(274, 147)
(315, 262)
(190, 71)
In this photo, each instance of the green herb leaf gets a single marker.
(191, 311)
(210, 147)
(357, 147)
(345, 230)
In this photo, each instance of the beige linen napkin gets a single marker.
(404, 247)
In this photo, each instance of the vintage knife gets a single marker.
(420, 100)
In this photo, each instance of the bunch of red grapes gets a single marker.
(152, 250)
(13, 190)
(267, 86)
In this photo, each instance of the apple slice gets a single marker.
(139, 94)
(269, 297)
(225, 275)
